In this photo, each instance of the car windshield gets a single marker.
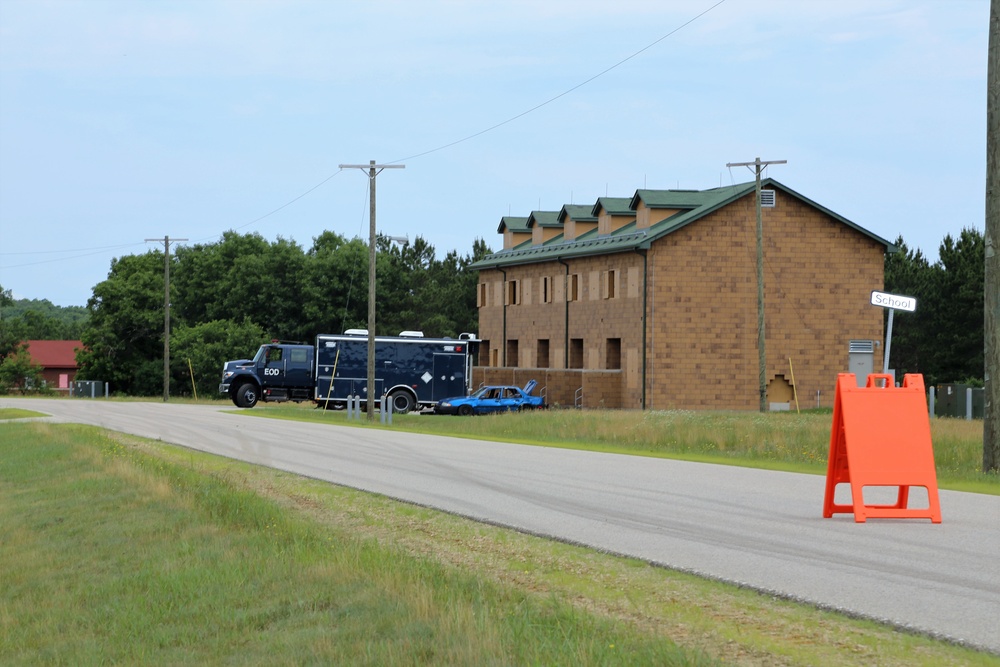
(482, 392)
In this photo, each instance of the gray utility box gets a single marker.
(861, 354)
(952, 400)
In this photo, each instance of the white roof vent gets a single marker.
(411, 334)
(767, 198)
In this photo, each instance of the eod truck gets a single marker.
(410, 370)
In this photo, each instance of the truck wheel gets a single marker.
(401, 402)
(465, 410)
(246, 395)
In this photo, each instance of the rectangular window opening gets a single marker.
(543, 353)
(512, 354)
(613, 355)
(576, 353)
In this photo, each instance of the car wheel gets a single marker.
(465, 410)
(246, 395)
(401, 402)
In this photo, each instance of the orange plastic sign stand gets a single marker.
(881, 437)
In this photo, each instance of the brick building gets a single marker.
(651, 302)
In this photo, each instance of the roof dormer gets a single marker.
(612, 214)
(544, 226)
(577, 220)
(515, 231)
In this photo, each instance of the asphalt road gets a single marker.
(757, 528)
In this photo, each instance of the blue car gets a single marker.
(494, 398)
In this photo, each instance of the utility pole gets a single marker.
(991, 276)
(373, 171)
(758, 166)
(166, 313)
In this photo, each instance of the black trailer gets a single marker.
(413, 371)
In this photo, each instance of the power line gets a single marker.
(66, 259)
(427, 152)
(564, 93)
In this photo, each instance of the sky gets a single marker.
(122, 121)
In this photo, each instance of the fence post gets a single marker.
(968, 403)
(932, 394)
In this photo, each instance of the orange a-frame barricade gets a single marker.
(881, 436)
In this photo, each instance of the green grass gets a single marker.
(18, 413)
(112, 555)
(777, 441)
(119, 550)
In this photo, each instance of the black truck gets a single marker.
(413, 372)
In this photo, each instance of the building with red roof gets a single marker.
(57, 359)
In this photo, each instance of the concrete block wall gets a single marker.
(818, 277)
(701, 318)
(600, 389)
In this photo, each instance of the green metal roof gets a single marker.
(613, 205)
(544, 219)
(698, 203)
(579, 212)
(513, 223)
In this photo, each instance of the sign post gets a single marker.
(893, 302)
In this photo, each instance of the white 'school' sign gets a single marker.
(894, 301)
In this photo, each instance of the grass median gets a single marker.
(125, 551)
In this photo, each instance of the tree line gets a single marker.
(943, 338)
(229, 296)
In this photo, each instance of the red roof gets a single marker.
(54, 353)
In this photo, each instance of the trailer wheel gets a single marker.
(401, 402)
(246, 395)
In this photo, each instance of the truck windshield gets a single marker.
(260, 354)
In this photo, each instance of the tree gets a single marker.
(943, 338)
(908, 272)
(208, 346)
(123, 343)
(19, 372)
(335, 296)
(956, 316)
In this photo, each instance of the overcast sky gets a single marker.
(123, 120)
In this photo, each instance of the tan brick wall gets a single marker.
(702, 313)
(561, 388)
(818, 277)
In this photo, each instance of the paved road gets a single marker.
(758, 528)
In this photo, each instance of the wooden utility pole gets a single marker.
(758, 166)
(166, 313)
(373, 171)
(991, 291)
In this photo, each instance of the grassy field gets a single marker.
(777, 440)
(127, 551)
